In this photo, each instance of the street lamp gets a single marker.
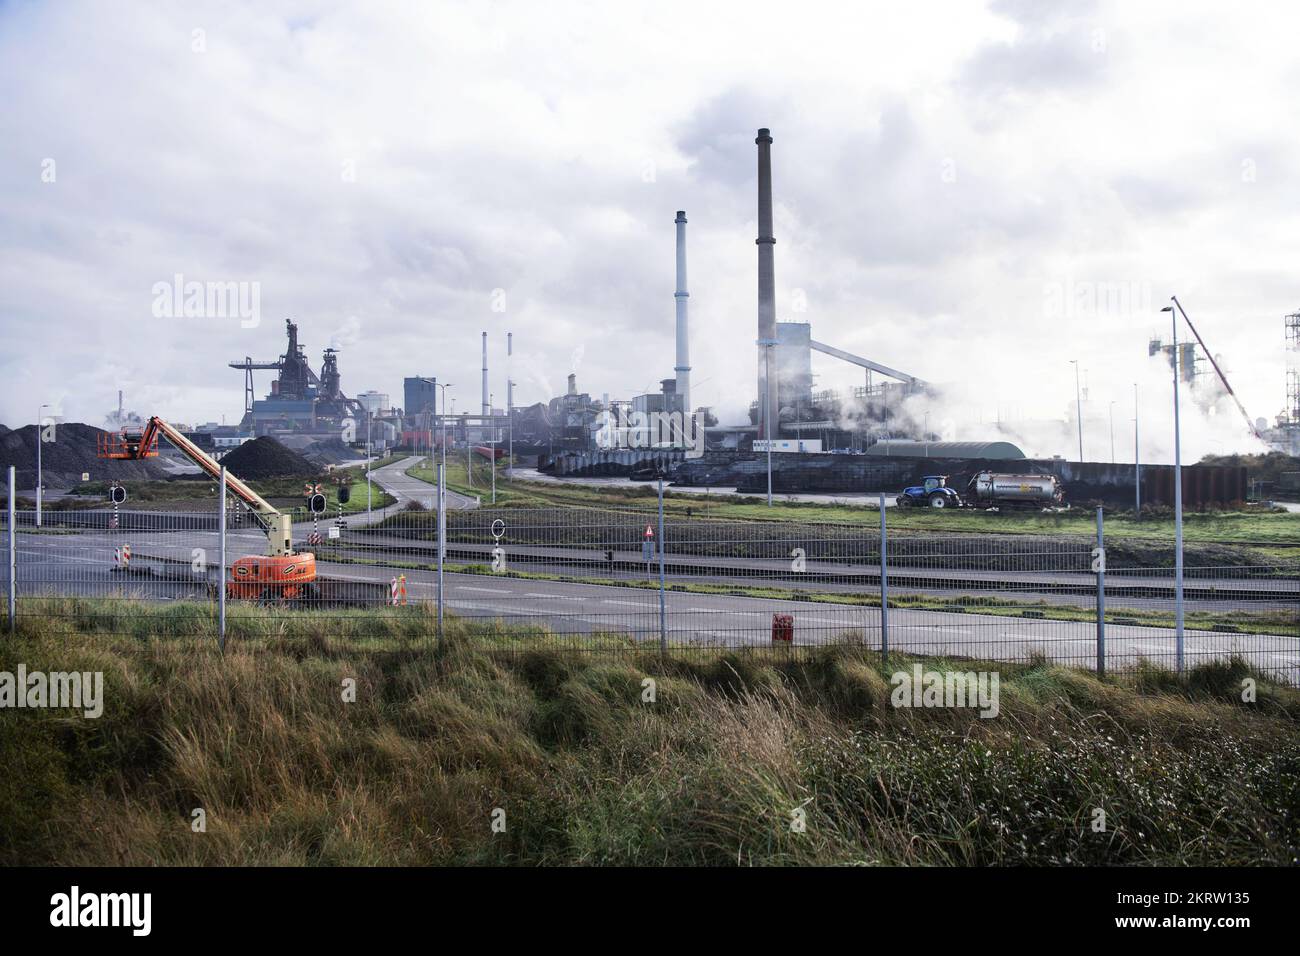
(1078, 407)
(1178, 497)
(441, 516)
(492, 447)
(1137, 463)
(39, 477)
(1112, 432)
(443, 428)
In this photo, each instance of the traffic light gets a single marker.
(118, 494)
(316, 503)
(345, 494)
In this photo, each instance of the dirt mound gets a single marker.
(266, 458)
(330, 452)
(63, 460)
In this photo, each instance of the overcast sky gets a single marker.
(976, 196)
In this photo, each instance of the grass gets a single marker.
(284, 493)
(1276, 532)
(480, 486)
(588, 771)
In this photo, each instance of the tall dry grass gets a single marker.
(733, 751)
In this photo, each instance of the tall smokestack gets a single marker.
(487, 404)
(767, 397)
(573, 383)
(510, 384)
(680, 297)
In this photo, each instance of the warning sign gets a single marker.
(649, 531)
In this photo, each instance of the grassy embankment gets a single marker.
(586, 770)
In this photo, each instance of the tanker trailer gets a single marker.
(992, 490)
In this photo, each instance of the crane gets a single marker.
(282, 573)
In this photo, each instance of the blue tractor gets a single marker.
(932, 493)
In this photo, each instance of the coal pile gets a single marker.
(266, 458)
(330, 452)
(63, 460)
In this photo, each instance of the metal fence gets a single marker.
(602, 579)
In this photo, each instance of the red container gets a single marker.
(783, 628)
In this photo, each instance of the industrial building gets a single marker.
(1285, 435)
(419, 395)
(300, 403)
(785, 405)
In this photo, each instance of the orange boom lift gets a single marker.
(281, 574)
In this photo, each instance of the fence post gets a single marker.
(221, 575)
(1099, 564)
(442, 539)
(663, 605)
(884, 588)
(13, 553)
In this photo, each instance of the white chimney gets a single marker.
(683, 368)
(487, 404)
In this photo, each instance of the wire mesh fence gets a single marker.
(604, 578)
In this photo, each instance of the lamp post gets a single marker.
(39, 474)
(1078, 407)
(443, 419)
(1112, 432)
(1137, 460)
(492, 448)
(1178, 498)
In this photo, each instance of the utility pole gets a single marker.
(1178, 502)
(40, 480)
(1112, 432)
(510, 408)
(1137, 463)
(1078, 407)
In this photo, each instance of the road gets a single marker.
(82, 564)
(394, 480)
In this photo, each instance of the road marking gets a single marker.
(554, 597)
(466, 587)
(628, 603)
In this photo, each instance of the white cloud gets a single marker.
(381, 170)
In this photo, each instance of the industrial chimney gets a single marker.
(573, 383)
(683, 368)
(767, 390)
(487, 402)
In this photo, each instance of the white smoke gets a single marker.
(1210, 423)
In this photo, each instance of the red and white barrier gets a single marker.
(397, 591)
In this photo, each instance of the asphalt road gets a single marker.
(394, 480)
(83, 564)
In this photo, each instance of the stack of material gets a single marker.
(266, 458)
(64, 460)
